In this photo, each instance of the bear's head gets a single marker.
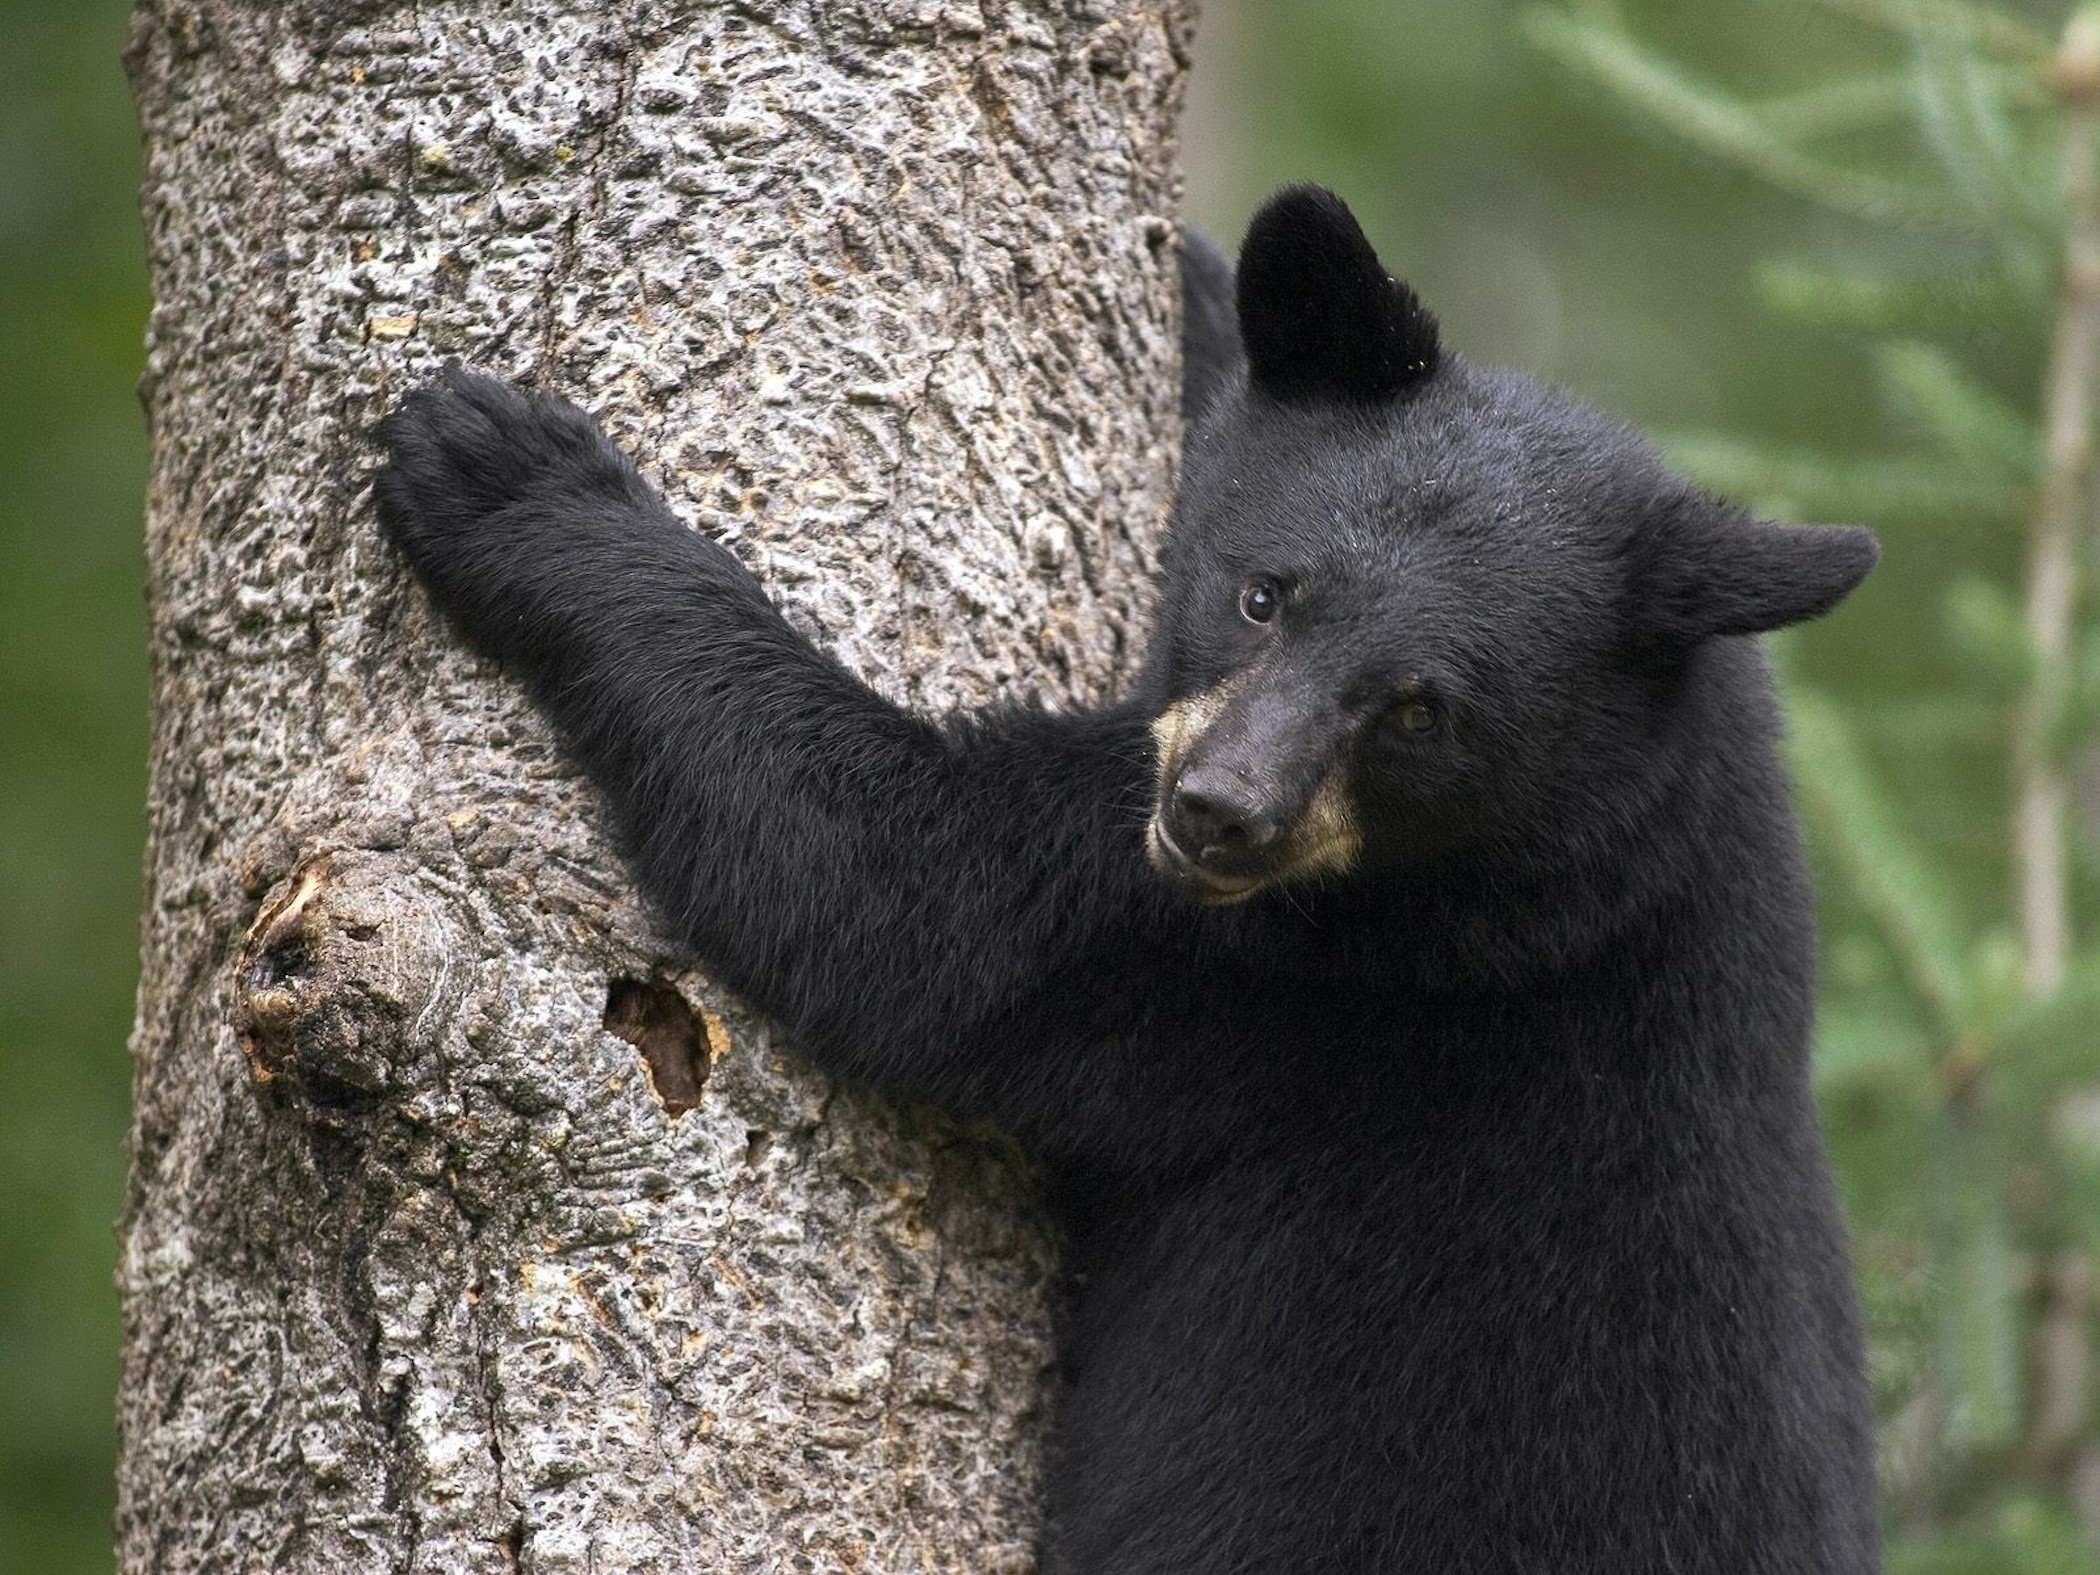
(1412, 607)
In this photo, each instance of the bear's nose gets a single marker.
(1216, 820)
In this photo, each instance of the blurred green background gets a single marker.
(1811, 244)
(72, 759)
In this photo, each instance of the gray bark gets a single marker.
(469, 1228)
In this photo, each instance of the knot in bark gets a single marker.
(335, 979)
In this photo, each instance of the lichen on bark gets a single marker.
(419, 1272)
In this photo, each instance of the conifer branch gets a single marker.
(1877, 103)
(1727, 129)
(1989, 30)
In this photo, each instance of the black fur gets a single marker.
(1463, 1213)
(1320, 316)
(1210, 330)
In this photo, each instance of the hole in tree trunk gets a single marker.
(655, 1019)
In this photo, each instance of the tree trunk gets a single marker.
(469, 1229)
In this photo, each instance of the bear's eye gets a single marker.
(1415, 716)
(1260, 601)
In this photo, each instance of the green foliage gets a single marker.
(1954, 412)
(1962, 1101)
(1987, 631)
(1975, 300)
(1728, 128)
(1797, 483)
(1994, 33)
(72, 761)
(1894, 880)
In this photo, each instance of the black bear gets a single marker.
(1408, 985)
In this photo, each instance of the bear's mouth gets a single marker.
(1185, 875)
(1327, 856)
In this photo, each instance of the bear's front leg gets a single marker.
(898, 892)
(525, 522)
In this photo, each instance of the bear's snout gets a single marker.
(1215, 816)
(1232, 819)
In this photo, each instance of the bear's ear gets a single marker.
(1319, 315)
(1710, 569)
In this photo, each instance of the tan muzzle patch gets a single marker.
(1325, 837)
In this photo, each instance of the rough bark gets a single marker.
(468, 1229)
